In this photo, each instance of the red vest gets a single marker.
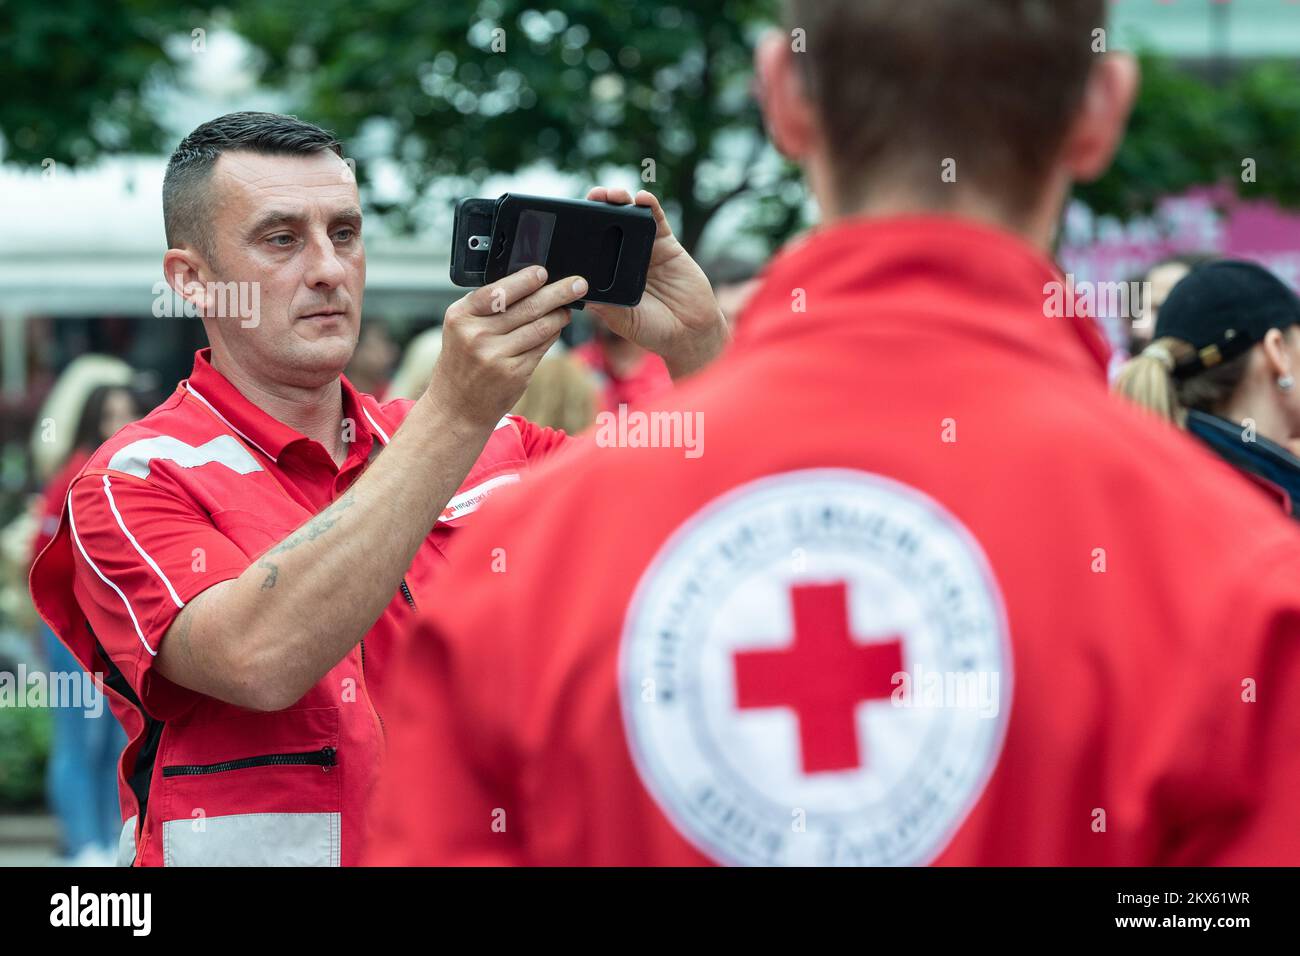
(192, 495)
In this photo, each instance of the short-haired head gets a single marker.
(186, 213)
(901, 86)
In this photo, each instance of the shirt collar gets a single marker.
(262, 431)
(939, 264)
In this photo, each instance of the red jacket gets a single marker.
(928, 595)
(189, 496)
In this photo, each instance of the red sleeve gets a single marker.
(139, 554)
(437, 806)
(539, 442)
(1252, 741)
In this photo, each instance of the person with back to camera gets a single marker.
(932, 594)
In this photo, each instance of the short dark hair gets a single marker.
(185, 208)
(900, 86)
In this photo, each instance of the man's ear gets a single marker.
(184, 271)
(787, 111)
(1099, 124)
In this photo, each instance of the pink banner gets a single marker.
(1101, 249)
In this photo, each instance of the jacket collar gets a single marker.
(1266, 461)
(262, 431)
(959, 270)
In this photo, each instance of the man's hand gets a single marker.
(678, 317)
(493, 338)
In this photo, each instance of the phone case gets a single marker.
(473, 219)
(608, 245)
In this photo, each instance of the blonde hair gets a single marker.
(1148, 380)
(416, 367)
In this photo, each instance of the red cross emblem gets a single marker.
(822, 676)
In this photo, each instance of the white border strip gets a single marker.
(191, 390)
(94, 567)
(374, 424)
(136, 544)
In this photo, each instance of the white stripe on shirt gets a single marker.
(94, 567)
(108, 490)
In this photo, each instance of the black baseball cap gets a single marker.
(1224, 308)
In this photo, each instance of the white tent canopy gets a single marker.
(91, 242)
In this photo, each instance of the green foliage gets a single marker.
(25, 734)
(596, 84)
(73, 75)
(465, 92)
(1186, 131)
(1261, 118)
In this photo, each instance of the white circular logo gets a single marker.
(815, 671)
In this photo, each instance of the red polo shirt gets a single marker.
(189, 496)
(648, 378)
(922, 592)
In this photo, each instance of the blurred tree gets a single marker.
(660, 89)
(1261, 122)
(74, 75)
(1186, 131)
(25, 735)
(454, 93)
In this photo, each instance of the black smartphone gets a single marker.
(607, 245)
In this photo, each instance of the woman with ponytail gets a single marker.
(1223, 365)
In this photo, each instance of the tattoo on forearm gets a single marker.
(310, 531)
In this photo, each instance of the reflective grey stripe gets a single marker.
(223, 450)
(126, 843)
(253, 839)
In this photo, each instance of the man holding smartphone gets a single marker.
(241, 563)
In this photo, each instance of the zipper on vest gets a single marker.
(406, 593)
(324, 758)
(382, 729)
